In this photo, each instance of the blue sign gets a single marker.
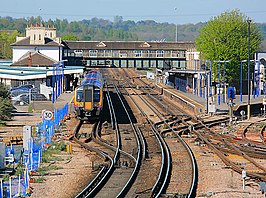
(231, 92)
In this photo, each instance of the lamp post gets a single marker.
(176, 30)
(248, 107)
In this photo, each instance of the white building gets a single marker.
(41, 39)
(34, 60)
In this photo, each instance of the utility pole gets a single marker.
(248, 107)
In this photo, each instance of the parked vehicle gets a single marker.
(17, 92)
(23, 99)
(22, 87)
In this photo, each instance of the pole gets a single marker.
(200, 85)
(19, 184)
(219, 83)
(248, 107)
(10, 188)
(207, 93)
(241, 68)
(210, 79)
(176, 29)
(2, 193)
(224, 92)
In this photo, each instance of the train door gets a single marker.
(88, 99)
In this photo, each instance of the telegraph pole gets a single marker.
(248, 107)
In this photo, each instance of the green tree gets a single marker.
(70, 37)
(225, 37)
(5, 104)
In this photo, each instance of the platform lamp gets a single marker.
(248, 107)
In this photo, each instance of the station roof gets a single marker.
(37, 59)
(127, 45)
(28, 73)
(26, 42)
(185, 71)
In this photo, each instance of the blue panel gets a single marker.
(93, 78)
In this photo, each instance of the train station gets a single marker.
(122, 112)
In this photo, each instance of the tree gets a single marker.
(70, 37)
(5, 104)
(225, 37)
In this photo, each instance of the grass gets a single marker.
(2, 124)
(6, 177)
(39, 179)
(45, 169)
(54, 149)
(30, 110)
(19, 170)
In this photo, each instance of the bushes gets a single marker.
(6, 106)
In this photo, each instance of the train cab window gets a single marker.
(79, 95)
(96, 95)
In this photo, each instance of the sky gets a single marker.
(171, 11)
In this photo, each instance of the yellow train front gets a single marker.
(88, 96)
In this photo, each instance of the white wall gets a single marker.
(45, 90)
(52, 52)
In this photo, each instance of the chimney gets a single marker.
(29, 60)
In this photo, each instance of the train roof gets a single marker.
(94, 77)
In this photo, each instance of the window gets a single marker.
(79, 96)
(51, 35)
(96, 95)
(137, 53)
(159, 53)
(93, 53)
(40, 38)
(34, 37)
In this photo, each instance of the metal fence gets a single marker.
(32, 157)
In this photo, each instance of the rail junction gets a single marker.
(141, 141)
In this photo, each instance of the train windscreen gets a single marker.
(79, 95)
(96, 95)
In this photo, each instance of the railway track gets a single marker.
(224, 146)
(185, 157)
(166, 124)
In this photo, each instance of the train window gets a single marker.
(96, 95)
(88, 95)
(79, 96)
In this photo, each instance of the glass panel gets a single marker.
(79, 96)
(96, 95)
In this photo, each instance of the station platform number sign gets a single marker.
(47, 115)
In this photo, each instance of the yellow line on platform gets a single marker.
(71, 100)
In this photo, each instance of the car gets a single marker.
(23, 99)
(22, 87)
(17, 92)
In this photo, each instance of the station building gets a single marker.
(36, 55)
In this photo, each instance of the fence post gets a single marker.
(2, 193)
(10, 188)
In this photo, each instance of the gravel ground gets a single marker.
(70, 179)
(216, 180)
